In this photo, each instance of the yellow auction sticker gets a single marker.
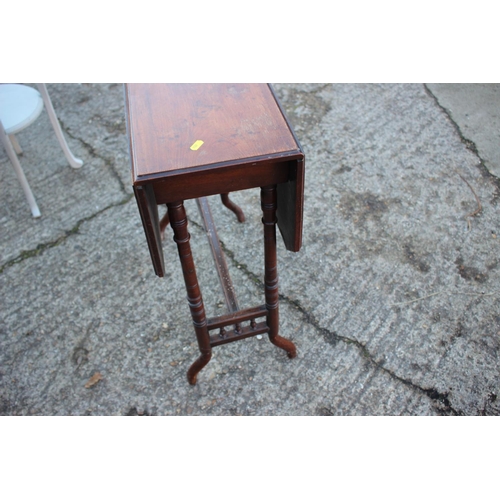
(197, 145)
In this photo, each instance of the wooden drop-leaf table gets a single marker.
(190, 141)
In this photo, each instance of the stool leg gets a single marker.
(15, 144)
(269, 205)
(11, 153)
(178, 221)
(74, 162)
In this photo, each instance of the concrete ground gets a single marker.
(393, 302)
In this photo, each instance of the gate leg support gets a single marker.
(269, 205)
(233, 207)
(178, 221)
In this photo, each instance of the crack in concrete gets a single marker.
(109, 162)
(440, 401)
(470, 145)
(26, 254)
(433, 394)
(40, 248)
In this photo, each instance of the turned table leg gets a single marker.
(269, 205)
(178, 221)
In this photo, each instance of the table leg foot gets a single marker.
(233, 207)
(285, 344)
(197, 366)
(269, 205)
(178, 221)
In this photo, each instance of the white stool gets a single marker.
(20, 106)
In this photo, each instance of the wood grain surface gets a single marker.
(234, 121)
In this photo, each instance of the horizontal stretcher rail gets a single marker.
(237, 317)
(245, 332)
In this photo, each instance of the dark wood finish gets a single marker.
(238, 120)
(268, 201)
(202, 182)
(233, 207)
(290, 197)
(178, 221)
(244, 333)
(234, 121)
(247, 143)
(218, 255)
(240, 316)
(164, 222)
(148, 210)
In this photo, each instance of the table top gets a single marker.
(173, 127)
(194, 140)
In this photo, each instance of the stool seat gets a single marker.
(20, 106)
